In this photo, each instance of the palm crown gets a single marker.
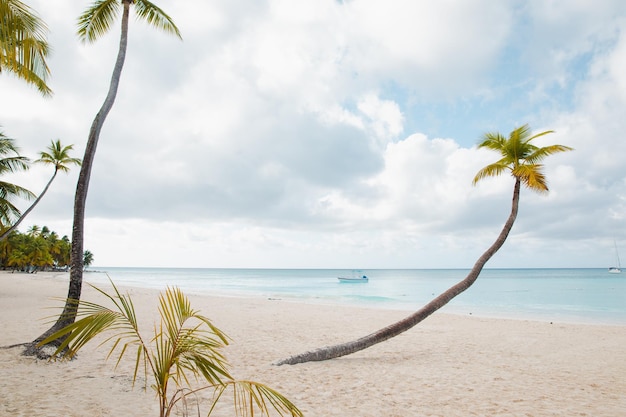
(519, 156)
(97, 19)
(58, 155)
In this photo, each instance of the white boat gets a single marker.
(616, 269)
(356, 277)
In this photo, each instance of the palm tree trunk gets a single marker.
(409, 322)
(23, 216)
(76, 263)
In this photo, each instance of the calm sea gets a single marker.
(560, 295)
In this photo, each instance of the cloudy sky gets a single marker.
(335, 134)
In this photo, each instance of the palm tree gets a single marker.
(18, 259)
(63, 259)
(23, 44)
(93, 23)
(522, 159)
(54, 247)
(87, 259)
(10, 164)
(33, 231)
(185, 344)
(38, 253)
(58, 156)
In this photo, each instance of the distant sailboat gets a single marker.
(616, 269)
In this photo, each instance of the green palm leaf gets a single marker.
(23, 44)
(156, 17)
(186, 346)
(97, 19)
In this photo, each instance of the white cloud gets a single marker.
(285, 134)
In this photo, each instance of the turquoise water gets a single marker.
(560, 295)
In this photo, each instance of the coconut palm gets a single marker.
(18, 259)
(58, 156)
(87, 259)
(10, 162)
(63, 259)
(92, 24)
(521, 158)
(23, 44)
(39, 256)
(185, 346)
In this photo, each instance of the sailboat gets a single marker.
(616, 269)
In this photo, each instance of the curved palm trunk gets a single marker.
(76, 261)
(23, 216)
(409, 322)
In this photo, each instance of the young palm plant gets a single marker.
(186, 346)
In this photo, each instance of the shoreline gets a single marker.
(453, 308)
(448, 365)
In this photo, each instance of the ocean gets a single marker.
(591, 296)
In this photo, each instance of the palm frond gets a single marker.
(188, 348)
(250, 395)
(77, 334)
(491, 170)
(8, 190)
(23, 45)
(540, 153)
(156, 17)
(537, 135)
(494, 141)
(532, 176)
(97, 19)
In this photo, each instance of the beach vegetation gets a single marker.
(59, 157)
(183, 359)
(87, 259)
(520, 157)
(11, 162)
(93, 23)
(39, 249)
(23, 44)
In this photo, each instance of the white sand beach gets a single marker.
(446, 366)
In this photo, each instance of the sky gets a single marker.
(334, 134)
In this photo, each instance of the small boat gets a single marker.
(357, 277)
(616, 269)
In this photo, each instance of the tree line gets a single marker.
(39, 249)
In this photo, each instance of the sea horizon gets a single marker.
(573, 295)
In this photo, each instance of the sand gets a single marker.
(446, 366)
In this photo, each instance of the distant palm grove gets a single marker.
(39, 249)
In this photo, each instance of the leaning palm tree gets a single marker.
(58, 156)
(23, 44)
(522, 159)
(92, 24)
(10, 162)
(186, 346)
